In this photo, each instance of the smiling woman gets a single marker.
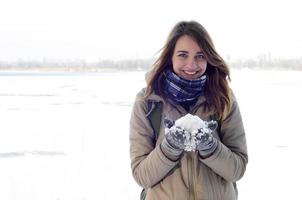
(189, 77)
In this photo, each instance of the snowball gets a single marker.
(190, 123)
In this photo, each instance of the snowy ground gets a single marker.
(65, 136)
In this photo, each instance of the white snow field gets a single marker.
(64, 136)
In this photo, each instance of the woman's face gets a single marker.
(188, 59)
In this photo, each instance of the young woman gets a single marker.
(188, 77)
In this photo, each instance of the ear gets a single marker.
(212, 125)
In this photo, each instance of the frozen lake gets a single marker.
(65, 136)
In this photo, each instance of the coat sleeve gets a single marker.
(148, 163)
(230, 158)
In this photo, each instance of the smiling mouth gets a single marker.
(190, 73)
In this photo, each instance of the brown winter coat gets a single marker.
(191, 177)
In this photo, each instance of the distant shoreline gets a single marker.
(58, 73)
(64, 71)
(262, 62)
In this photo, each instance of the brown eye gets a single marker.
(182, 55)
(199, 57)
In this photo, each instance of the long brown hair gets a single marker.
(217, 91)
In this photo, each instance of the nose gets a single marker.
(192, 65)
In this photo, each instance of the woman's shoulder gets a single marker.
(141, 95)
(232, 96)
(234, 107)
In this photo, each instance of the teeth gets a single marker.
(190, 73)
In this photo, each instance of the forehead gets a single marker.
(186, 43)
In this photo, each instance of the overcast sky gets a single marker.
(118, 29)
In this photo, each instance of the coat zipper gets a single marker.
(190, 167)
(192, 195)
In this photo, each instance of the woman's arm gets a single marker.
(230, 158)
(148, 163)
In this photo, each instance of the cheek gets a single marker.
(203, 65)
(177, 66)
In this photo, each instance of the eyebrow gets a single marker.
(182, 51)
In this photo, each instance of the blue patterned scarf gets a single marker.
(182, 90)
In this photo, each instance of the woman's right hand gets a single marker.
(176, 137)
(173, 143)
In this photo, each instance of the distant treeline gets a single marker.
(139, 64)
(278, 63)
(78, 65)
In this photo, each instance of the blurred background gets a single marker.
(70, 70)
(85, 33)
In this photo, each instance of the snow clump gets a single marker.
(190, 123)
